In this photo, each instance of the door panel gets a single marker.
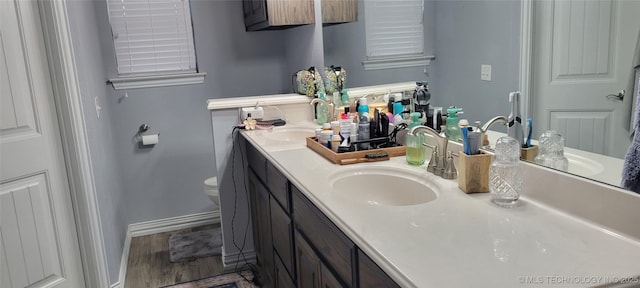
(27, 234)
(38, 241)
(582, 50)
(582, 129)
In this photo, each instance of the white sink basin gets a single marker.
(583, 166)
(379, 186)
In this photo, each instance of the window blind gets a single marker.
(394, 28)
(152, 37)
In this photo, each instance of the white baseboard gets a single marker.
(160, 226)
(232, 261)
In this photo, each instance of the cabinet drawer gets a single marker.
(282, 231)
(330, 243)
(279, 186)
(370, 274)
(256, 162)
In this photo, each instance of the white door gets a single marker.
(38, 240)
(582, 52)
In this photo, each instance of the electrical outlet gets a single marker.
(485, 72)
(256, 112)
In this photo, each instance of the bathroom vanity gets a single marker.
(295, 242)
(390, 224)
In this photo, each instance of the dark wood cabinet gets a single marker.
(282, 276)
(370, 275)
(339, 11)
(277, 14)
(332, 245)
(261, 224)
(282, 231)
(296, 244)
(312, 271)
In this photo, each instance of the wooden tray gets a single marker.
(337, 157)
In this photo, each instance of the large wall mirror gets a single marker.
(569, 57)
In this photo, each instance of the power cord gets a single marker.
(253, 268)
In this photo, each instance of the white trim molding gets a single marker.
(66, 89)
(150, 81)
(232, 261)
(526, 47)
(287, 99)
(160, 226)
(396, 62)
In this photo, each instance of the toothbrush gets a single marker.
(530, 123)
(465, 138)
(514, 128)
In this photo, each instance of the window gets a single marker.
(153, 41)
(394, 33)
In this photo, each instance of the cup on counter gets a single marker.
(415, 151)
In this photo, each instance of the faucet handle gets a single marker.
(433, 162)
(450, 171)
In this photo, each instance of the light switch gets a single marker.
(485, 72)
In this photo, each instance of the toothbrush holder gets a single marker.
(529, 154)
(473, 172)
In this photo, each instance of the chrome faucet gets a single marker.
(498, 119)
(440, 153)
(330, 105)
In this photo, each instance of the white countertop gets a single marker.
(459, 240)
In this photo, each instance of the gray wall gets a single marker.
(136, 185)
(111, 195)
(468, 34)
(344, 45)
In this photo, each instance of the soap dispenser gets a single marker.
(321, 109)
(453, 130)
(415, 148)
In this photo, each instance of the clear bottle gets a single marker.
(551, 151)
(505, 176)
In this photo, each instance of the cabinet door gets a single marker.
(371, 275)
(307, 264)
(283, 280)
(339, 11)
(290, 12)
(255, 11)
(327, 279)
(334, 248)
(282, 230)
(261, 221)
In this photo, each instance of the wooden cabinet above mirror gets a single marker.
(277, 14)
(339, 11)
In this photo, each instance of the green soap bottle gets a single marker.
(453, 130)
(321, 109)
(414, 149)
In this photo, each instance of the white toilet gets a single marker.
(211, 189)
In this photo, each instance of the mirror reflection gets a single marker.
(580, 55)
